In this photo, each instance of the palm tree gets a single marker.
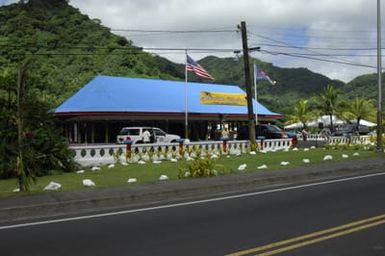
(302, 113)
(361, 108)
(330, 102)
(24, 174)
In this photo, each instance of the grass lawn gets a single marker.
(150, 172)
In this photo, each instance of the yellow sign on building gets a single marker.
(221, 98)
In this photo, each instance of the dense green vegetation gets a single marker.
(31, 143)
(70, 49)
(365, 86)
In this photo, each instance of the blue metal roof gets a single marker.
(122, 94)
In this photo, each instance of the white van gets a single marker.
(135, 134)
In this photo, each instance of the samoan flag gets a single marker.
(261, 75)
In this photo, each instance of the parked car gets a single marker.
(135, 134)
(351, 129)
(269, 131)
(263, 131)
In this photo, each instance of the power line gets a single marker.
(318, 59)
(336, 60)
(313, 29)
(317, 48)
(175, 31)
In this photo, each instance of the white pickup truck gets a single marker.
(135, 134)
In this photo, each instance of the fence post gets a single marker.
(181, 150)
(128, 148)
(224, 144)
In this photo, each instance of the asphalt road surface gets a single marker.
(338, 218)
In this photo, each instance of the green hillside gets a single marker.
(68, 49)
(364, 86)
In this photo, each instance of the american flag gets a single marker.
(197, 69)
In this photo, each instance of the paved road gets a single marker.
(221, 227)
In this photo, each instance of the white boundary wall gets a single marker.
(96, 155)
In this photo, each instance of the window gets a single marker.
(158, 132)
(130, 132)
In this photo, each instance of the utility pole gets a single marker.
(249, 95)
(379, 73)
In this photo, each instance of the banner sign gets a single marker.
(221, 98)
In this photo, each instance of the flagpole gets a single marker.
(255, 93)
(185, 100)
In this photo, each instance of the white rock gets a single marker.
(214, 156)
(215, 172)
(111, 166)
(187, 174)
(155, 157)
(173, 160)
(242, 167)
(141, 162)
(227, 156)
(253, 153)
(163, 177)
(306, 149)
(88, 183)
(356, 154)
(306, 160)
(16, 190)
(345, 156)
(95, 168)
(295, 149)
(264, 166)
(146, 158)
(134, 159)
(80, 171)
(53, 186)
(284, 163)
(263, 151)
(286, 150)
(169, 156)
(124, 163)
(312, 147)
(238, 154)
(328, 157)
(131, 180)
(156, 162)
(189, 158)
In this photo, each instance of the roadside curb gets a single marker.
(54, 204)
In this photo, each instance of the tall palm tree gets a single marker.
(329, 100)
(23, 172)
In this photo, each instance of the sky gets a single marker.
(336, 38)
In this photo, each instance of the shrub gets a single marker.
(201, 167)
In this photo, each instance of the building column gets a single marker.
(92, 132)
(76, 132)
(106, 132)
